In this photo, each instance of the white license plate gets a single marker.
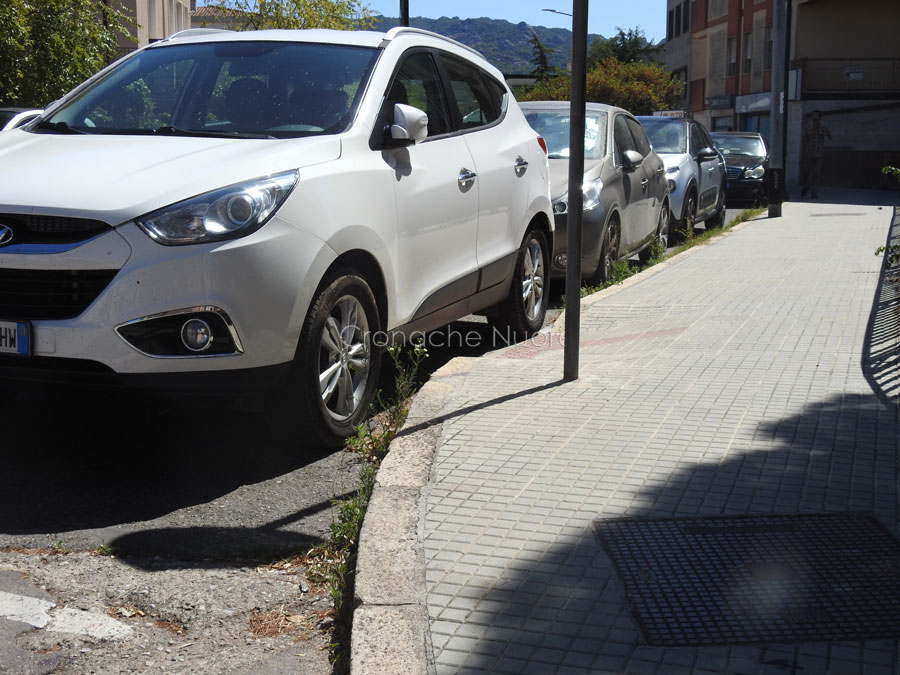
(15, 338)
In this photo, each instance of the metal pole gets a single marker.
(576, 178)
(786, 88)
(404, 13)
(777, 130)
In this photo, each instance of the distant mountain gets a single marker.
(504, 44)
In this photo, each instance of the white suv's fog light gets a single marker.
(196, 335)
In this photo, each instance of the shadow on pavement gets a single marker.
(564, 607)
(95, 460)
(881, 350)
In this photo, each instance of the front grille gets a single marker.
(733, 172)
(37, 229)
(49, 294)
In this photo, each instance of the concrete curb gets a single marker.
(391, 634)
(390, 620)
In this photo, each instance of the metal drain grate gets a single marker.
(717, 581)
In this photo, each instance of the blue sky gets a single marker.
(603, 15)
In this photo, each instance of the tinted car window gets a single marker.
(279, 89)
(417, 84)
(477, 106)
(622, 138)
(666, 137)
(640, 138)
(696, 139)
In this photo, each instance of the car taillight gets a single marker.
(543, 144)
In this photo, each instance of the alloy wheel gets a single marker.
(533, 279)
(344, 358)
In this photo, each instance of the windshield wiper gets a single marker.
(169, 130)
(59, 127)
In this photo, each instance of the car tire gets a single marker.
(335, 371)
(717, 219)
(688, 216)
(522, 314)
(609, 252)
(662, 233)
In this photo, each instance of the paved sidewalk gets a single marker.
(755, 375)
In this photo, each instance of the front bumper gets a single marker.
(746, 190)
(591, 242)
(260, 282)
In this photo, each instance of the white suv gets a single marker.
(264, 211)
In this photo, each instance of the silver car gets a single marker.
(626, 202)
(695, 170)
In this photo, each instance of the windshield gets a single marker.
(740, 145)
(252, 89)
(6, 116)
(553, 126)
(666, 137)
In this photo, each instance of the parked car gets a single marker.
(13, 118)
(625, 198)
(264, 211)
(746, 162)
(694, 167)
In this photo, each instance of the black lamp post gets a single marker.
(576, 178)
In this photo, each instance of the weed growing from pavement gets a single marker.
(334, 562)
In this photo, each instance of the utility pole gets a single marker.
(404, 13)
(781, 46)
(576, 179)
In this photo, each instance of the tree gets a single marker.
(260, 14)
(626, 46)
(48, 47)
(639, 88)
(540, 57)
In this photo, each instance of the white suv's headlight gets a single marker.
(233, 211)
(755, 172)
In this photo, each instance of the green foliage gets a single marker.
(540, 58)
(260, 14)
(48, 47)
(639, 88)
(893, 250)
(337, 556)
(626, 46)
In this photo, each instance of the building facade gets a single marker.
(844, 61)
(155, 20)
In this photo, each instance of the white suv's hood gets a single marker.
(117, 178)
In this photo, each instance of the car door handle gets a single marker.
(521, 166)
(644, 184)
(659, 171)
(466, 177)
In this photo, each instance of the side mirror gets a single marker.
(707, 154)
(632, 160)
(410, 125)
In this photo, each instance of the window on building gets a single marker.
(731, 69)
(686, 16)
(748, 51)
(769, 47)
(680, 76)
(670, 28)
(677, 20)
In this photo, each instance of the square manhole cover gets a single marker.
(717, 581)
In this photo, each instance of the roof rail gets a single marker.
(193, 32)
(400, 30)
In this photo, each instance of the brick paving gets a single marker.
(755, 375)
